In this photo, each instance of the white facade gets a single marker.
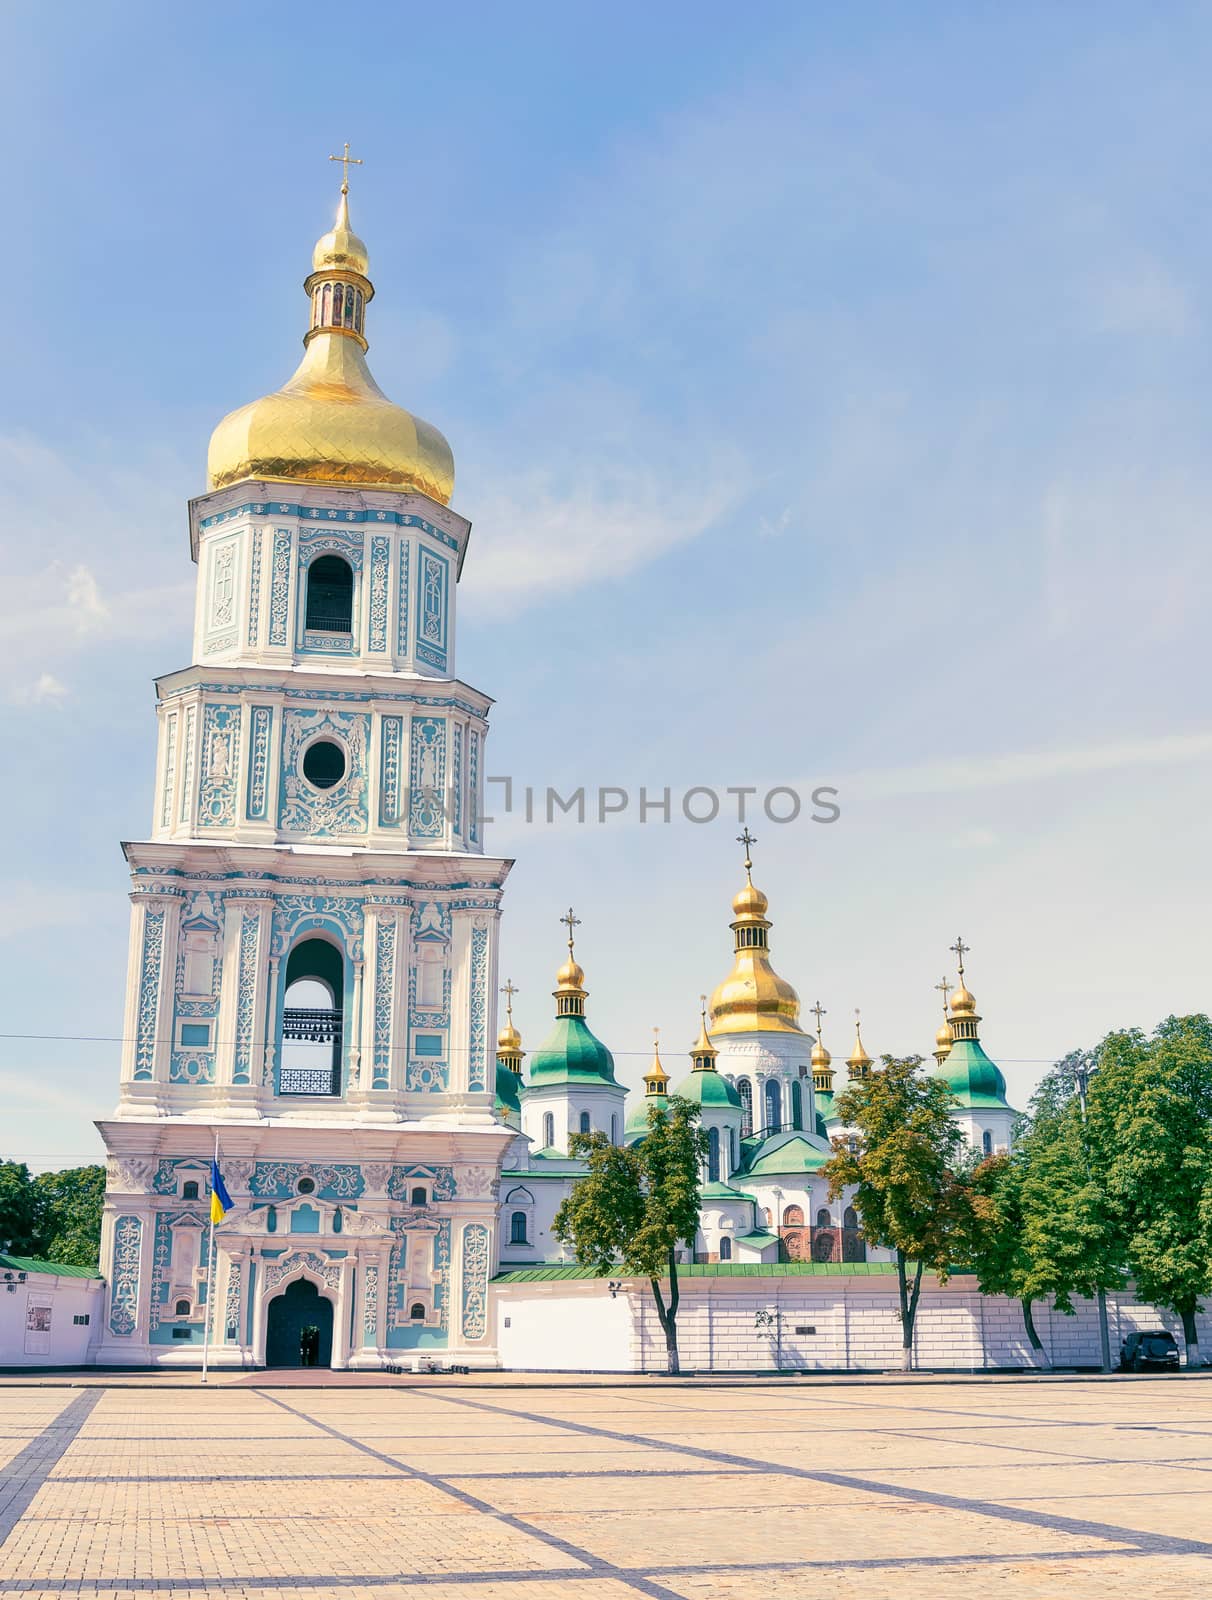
(48, 1318)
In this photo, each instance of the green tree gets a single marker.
(1151, 1119)
(904, 1161)
(638, 1203)
(20, 1215)
(70, 1205)
(996, 1247)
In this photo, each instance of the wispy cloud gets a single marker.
(45, 690)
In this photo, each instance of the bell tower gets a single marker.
(313, 948)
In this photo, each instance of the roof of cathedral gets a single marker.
(571, 1053)
(330, 422)
(783, 1153)
(753, 998)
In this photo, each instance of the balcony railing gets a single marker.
(304, 1026)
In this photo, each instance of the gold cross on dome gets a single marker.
(818, 1011)
(945, 987)
(570, 921)
(656, 1038)
(748, 840)
(961, 950)
(346, 161)
(508, 990)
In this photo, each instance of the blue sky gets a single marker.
(829, 391)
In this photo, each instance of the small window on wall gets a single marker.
(517, 1228)
(181, 1309)
(584, 1122)
(986, 1143)
(416, 1312)
(725, 1248)
(189, 1191)
(418, 1197)
(548, 1130)
(329, 596)
(195, 1035)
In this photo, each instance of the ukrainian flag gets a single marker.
(220, 1200)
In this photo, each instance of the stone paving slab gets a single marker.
(666, 1490)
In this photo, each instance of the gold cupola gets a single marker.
(822, 1061)
(753, 998)
(964, 1020)
(331, 423)
(944, 1038)
(509, 1041)
(570, 992)
(858, 1061)
(656, 1079)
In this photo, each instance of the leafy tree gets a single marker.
(996, 1247)
(905, 1161)
(637, 1203)
(1151, 1117)
(70, 1205)
(20, 1219)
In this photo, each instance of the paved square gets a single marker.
(742, 1491)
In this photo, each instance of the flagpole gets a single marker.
(210, 1271)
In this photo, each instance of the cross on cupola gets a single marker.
(570, 980)
(570, 921)
(748, 840)
(961, 950)
(346, 161)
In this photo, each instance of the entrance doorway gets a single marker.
(298, 1330)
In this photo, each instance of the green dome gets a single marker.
(709, 1089)
(822, 1131)
(636, 1126)
(571, 1054)
(972, 1077)
(509, 1085)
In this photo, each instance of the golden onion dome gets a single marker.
(331, 423)
(963, 1002)
(509, 1040)
(570, 976)
(858, 1060)
(750, 903)
(340, 248)
(944, 1038)
(821, 1059)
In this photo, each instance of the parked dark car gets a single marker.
(1153, 1347)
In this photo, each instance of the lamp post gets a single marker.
(1082, 1068)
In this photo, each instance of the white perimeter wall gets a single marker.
(66, 1343)
(575, 1326)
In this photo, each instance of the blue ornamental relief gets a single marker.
(427, 778)
(433, 578)
(341, 809)
(380, 577)
(254, 592)
(149, 993)
(456, 778)
(402, 616)
(473, 789)
(162, 1250)
(298, 914)
(124, 1277)
(279, 592)
(250, 931)
(370, 1303)
(478, 1064)
(475, 1280)
(231, 1315)
(439, 1180)
(220, 766)
(277, 1180)
(385, 976)
(392, 729)
(258, 763)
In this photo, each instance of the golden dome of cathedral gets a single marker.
(330, 422)
(753, 998)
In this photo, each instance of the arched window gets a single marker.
(745, 1090)
(614, 1128)
(773, 1106)
(854, 1246)
(271, 1219)
(548, 1130)
(182, 1308)
(732, 1161)
(517, 1228)
(823, 1219)
(418, 1196)
(326, 306)
(797, 1104)
(189, 1191)
(416, 1311)
(793, 1217)
(725, 1248)
(986, 1143)
(312, 1013)
(584, 1122)
(713, 1155)
(329, 596)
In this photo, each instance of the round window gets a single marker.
(324, 763)
(306, 1186)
